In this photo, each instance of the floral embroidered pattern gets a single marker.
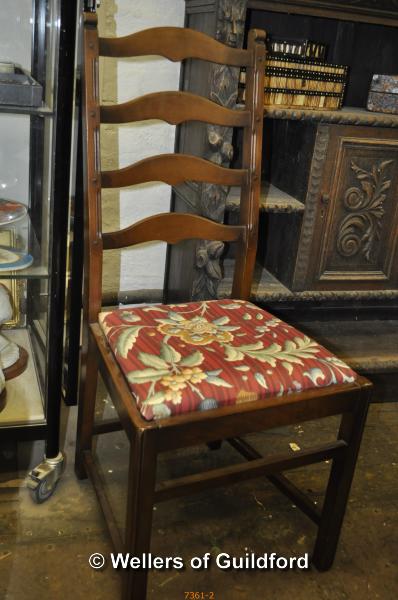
(200, 356)
(174, 374)
(197, 331)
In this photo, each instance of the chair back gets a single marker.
(176, 44)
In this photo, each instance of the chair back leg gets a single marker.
(338, 488)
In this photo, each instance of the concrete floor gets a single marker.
(44, 549)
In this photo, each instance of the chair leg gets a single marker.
(87, 396)
(338, 488)
(140, 501)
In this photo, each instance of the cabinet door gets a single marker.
(355, 212)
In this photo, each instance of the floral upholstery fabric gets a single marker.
(204, 355)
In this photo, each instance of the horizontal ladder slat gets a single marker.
(172, 169)
(174, 108)
(176, 44)
(171, 228)
(191, 484)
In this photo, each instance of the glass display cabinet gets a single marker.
(36, 97)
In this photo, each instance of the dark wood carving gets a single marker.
(348, 238)
(230, 26)
(346, 116)
(314, 189)
(368, 11)
(359, 231)
(387, 6)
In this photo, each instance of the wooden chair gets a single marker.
(180, 376)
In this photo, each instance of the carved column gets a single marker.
(311, 205)
(223, 90)
(195, 271)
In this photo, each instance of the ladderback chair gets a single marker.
(194, 373)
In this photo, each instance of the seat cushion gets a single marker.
(204, 355)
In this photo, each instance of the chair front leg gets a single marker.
(87, 396)
(338, 488)
(140, 501)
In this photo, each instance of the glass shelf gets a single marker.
(41, 111)
(33, 272)
(21, 237)
(24, 401)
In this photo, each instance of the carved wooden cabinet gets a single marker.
(327, 253)
(347, 239)
(328, 218)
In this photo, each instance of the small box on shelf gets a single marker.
(300, 83)
(383, 94)
(18, 88)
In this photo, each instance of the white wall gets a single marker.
(144, 267)
(139, 268)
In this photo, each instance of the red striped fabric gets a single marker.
(204, 355)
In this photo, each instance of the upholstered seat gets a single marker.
(204, 355)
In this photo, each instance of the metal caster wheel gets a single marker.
(42, 492)
(43, 480)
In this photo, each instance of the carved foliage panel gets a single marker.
(358, 214)
(359, 231)
(230, 27)
(194, 268)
